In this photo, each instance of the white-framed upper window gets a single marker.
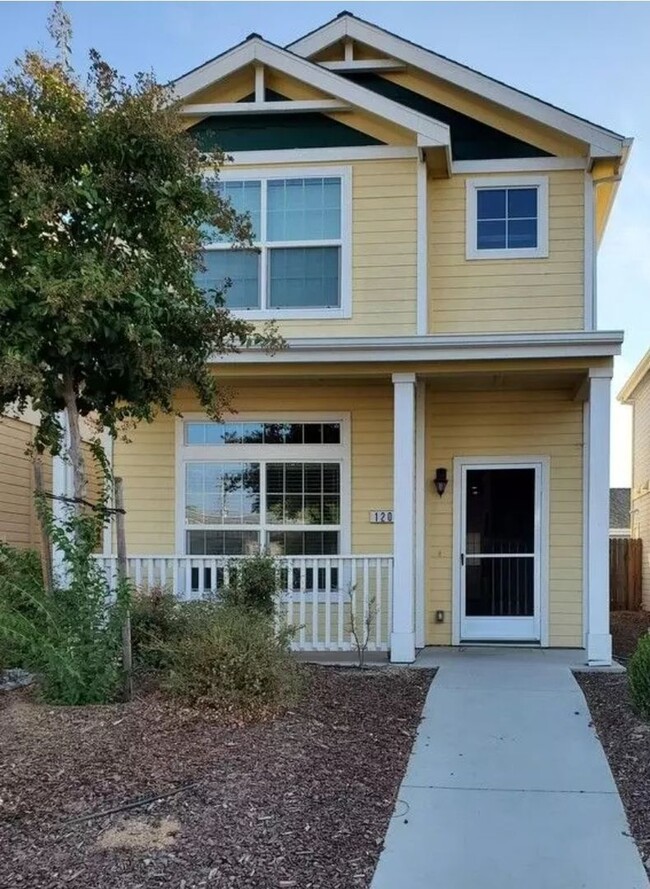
(300, 263)
(263, 483)
(507, 217)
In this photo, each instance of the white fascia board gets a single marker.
(326, 350)
(365, 65)
(431, 133)
(520, 164)
(319, 155)
(328, 106)
(602, 142)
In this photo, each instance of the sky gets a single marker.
(592, 59)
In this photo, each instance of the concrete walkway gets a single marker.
(507, 786)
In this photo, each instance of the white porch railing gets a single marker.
(319, 594)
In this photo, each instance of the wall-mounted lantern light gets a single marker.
(440, 481)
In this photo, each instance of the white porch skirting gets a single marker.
(319, 595)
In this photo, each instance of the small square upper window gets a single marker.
(506, 219)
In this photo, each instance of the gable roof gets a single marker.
(430, 133)
(619, 507)
(603, 142)
(638, 375)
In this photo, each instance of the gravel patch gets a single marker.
(626, 627)
(624, 735)
(626, 741)
(303, 801)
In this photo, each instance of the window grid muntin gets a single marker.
(198, 472)
(263, 245)
(264, 528)
(330, 432)
(507, 218)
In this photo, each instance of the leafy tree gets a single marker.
(103, 206)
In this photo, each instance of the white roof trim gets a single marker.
(329, 350)
(431, 133)
(603, 143)
(637, 376)
(326, 105)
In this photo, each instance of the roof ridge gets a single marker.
(439, 55)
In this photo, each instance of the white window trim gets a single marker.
(344, 310)
(473, 185)
(330, 453)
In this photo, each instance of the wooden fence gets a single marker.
(624, 574)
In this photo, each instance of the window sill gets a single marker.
(525, 253)
(290, 314)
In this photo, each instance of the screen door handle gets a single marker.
(462, 559)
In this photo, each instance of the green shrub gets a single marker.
(21, 581)
(230, 657)
(156, 621)
(638, 675)
(71, 638)
(253, 584)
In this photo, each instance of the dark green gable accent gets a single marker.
(471, 140)
(264, 132)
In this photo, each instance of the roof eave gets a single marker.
(601, 141)
(638, 375)
(447, 347)
(430, 133)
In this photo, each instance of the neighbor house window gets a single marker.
(299, 263)
(507, 218)
(253, 486)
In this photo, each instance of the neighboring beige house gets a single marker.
(636, 392)
(435, 438)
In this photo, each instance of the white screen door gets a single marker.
(500, 544)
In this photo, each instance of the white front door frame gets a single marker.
(542, 466)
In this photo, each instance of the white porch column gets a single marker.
(599, 640)
(402, 637)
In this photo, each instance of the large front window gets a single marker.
(262, 486)
(298, 261)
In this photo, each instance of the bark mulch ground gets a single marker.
(624, 735)
(303, 801)
(626, 627)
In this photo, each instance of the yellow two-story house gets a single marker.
(431, 450)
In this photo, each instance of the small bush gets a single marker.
(71, 638)
(231, 658)
(253, 584)
(638, 674)
(155, 622)
(21, 582)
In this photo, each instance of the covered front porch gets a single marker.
(330, 467)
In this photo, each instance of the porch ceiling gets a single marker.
(569, 374)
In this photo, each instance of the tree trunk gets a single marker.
(75, 452)
(46, 543)
(127, 652)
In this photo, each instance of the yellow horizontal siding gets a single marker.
(507, 295)
(147, 464)
(18, 520)
(540, 423)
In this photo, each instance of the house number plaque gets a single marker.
(381, 516)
